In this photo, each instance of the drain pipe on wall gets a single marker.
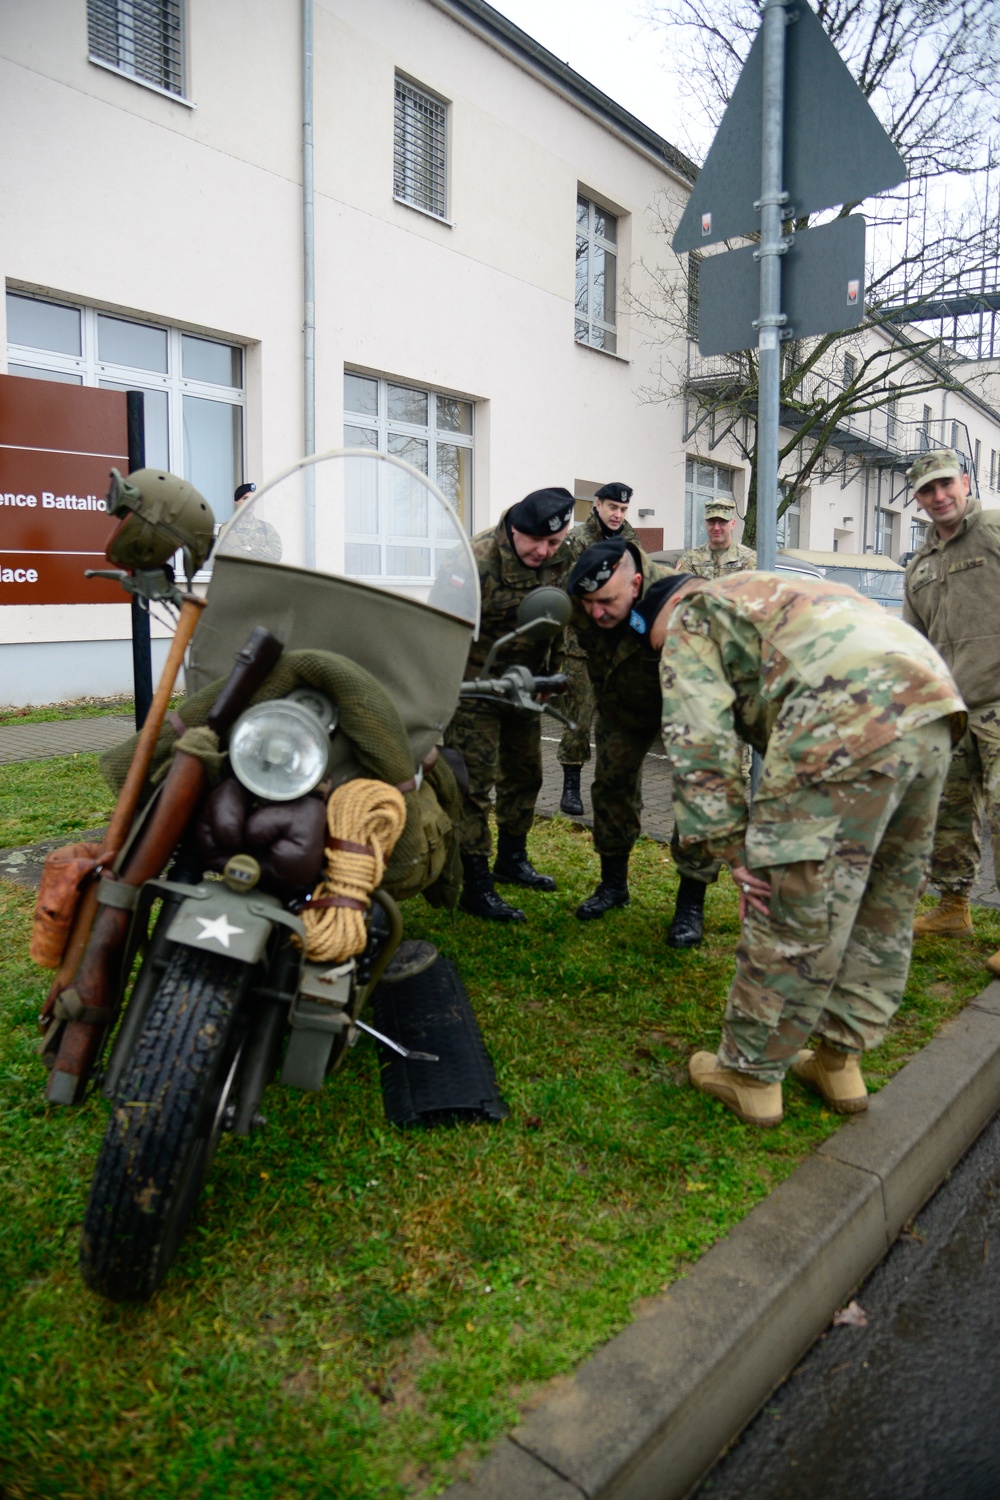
(308, 280)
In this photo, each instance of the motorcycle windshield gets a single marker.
(363, 516)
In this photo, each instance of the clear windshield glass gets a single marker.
(364, 516)
(875, 583)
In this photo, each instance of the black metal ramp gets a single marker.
(430, 1012)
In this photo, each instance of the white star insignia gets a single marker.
(218, 928)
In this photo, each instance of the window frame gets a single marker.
(591, 322)
(178, 95)
(400, 167)
(98, 373)
(432, 434)
(695, 534)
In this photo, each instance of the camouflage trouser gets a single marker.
(846, 860)
(972, 788)
(501, 748)
(617, 798)
(577, 703)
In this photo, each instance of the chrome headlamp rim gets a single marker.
(297, 720)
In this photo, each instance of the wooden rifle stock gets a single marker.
(92, 999)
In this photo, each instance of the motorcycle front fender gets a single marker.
(217, 920)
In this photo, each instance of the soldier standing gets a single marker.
(609, 584)
(850, 709)
(720, 555)
(607, 519)
(502, 747)
(953, 597)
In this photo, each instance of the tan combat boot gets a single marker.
(952, 917)
(993, 964)
(835, 1077)
(756, 1102)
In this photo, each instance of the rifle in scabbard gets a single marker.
(87, 1003)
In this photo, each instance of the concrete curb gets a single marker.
(650, 1412)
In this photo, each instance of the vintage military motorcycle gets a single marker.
(232, 927)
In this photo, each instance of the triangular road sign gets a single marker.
(835, 149)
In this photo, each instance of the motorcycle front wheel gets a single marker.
(167, 1116)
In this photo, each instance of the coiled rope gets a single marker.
(364, 819)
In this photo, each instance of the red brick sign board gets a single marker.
(57, 445)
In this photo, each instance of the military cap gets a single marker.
(595, 566)
(542, 513)
(242, 490)
(622, 493)
(940, 463)
(722, 505)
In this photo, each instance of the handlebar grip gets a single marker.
(558, 683)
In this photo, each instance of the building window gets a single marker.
(432, 432)
(891, 414)
(420, 163)
(976, 461)
(884, 526)
(993, 469)
(596, 276)
(693, 294)
(702, 482)
(788, 529)
(918, 533)
(925, 431)
(850, 370)
(141, 38)
(193, 386)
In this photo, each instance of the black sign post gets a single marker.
(142, 660)
(798, 129)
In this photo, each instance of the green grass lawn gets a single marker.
(359, 1310)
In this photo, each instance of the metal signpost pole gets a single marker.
(772, 247)
(142, 655)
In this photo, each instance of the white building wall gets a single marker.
(119, 197)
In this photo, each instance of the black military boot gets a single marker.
(612, 890)
(478, 897)
(513, 867)
(688, 926)
(571, 802)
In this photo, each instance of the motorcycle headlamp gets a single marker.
(279, 750)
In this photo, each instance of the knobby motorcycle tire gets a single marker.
(163, 1128)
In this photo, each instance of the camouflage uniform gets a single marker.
(255, 537)
(502, 747)
(849, 708)
(577, 702)
(953, 597)
(625, 674)
(704, 563)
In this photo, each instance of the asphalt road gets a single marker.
(906, 1407)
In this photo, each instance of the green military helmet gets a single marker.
(160, 513)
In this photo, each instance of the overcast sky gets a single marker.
(613, 46)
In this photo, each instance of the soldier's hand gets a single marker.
(753, 890)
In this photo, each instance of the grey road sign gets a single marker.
(835, 150)
(822, 288)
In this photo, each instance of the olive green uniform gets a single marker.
(953, 597)
(849, 708)
(577, 703)
(502, 747)
(625, 675)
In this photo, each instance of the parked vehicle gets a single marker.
(247, 911)
(877, 578)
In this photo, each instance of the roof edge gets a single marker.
(531, 55)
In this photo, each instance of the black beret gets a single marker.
(617, 491)
(595, 566)
(542, 513)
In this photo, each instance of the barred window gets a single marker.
(419, 165)
(143, 38)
